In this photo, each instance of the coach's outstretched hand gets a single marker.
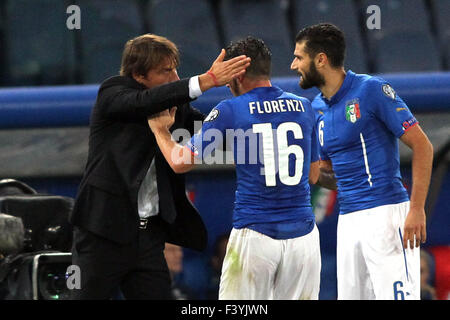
(222, 72)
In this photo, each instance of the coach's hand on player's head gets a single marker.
(415, 230)
(163, 120)
(222, 72)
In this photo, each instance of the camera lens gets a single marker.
(52, 282)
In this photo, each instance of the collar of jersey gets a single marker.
(346, 85)
(267, 90)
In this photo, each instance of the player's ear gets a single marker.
(321, 59)
(237, 81)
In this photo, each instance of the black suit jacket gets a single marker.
(121, 148)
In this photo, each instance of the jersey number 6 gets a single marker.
(283, 152)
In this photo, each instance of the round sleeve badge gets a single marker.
(212, 115)
(388, 91)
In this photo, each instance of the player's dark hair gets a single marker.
(256, 49)
(326, 38)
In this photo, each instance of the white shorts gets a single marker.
(257, 267)
(371, 261)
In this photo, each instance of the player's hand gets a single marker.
(414, 230)
(222, 72)
(163, 120)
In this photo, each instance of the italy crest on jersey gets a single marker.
(352, 112)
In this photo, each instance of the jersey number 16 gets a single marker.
(284, 150)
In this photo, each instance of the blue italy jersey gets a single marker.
(272, 138)
(358, 131)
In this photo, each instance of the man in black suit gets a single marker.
(130, 202)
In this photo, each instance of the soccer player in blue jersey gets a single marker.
(273, 251)
(359, 120)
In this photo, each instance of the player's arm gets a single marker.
(321, 172)
(177, 156)
(422, 163)
(314, 172)
(326, 178)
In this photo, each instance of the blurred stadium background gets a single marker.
(50, 74)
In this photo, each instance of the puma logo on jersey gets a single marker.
(276, 106)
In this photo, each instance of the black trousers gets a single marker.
(139, 269)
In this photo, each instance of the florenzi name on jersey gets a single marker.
(288, 105)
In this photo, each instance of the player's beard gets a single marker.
(312, 78)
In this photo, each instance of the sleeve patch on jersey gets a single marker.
(213, 115)
(409, 123)
(389, 91)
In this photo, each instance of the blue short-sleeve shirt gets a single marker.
(271, 135)
(358, 130)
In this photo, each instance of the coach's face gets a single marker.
(306, 68)
(164, 73)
